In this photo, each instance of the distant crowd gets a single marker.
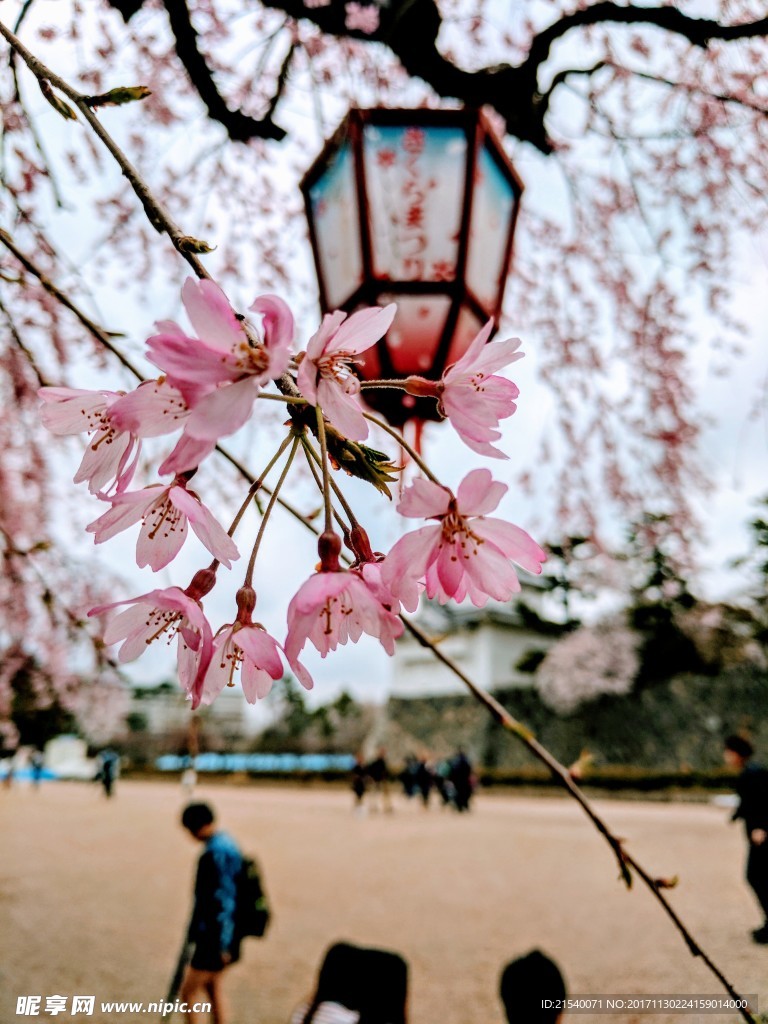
(452, 779)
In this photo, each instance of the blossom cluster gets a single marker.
(211, 378)
(590, 662)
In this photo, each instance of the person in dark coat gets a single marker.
(461, 777)
(359, 783)
(752, 789)
(213, 928)
(109, 767)
(378, 773)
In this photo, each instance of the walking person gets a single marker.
(213, 929)
(359, 784)
(378, 773)
(752, 789)
(425, 780)
(109, 769)
(462, 779)
(36, 766)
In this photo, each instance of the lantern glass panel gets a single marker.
(415, 179)
(369, 364)
(333, 199)
(413, 338)
(493, 206)
(467, 327)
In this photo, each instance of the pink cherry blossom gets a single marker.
(188, 453)
(164, 513)
(472, 396)
(108, 455)
(331, 608)
(170, 613)
(157, 407)
(153, 409)
(219, 372)
(325, 375)
(224, 349)
(361, 17)
(246, 645)
(467, 554)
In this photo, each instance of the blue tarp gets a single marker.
(287, 763)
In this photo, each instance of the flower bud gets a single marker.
(246, 602)
(360, 544)
(329, 549)
(202, 583)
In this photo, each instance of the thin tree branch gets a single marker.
(156, 213)
(410, 29)
(99, 333)
(239, 126)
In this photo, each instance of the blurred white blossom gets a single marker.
(587, 663)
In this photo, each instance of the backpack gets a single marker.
(253, 911)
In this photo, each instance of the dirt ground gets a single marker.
(94, 897)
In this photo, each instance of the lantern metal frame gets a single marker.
(479, 134)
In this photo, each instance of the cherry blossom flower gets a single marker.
(246, 645)
(188, 453)
(472, 396)
(165, 513)
(172, 613)
(361, 17)
(332, 608)
(224, 350)
(325, 375)
(219, 373)
(467, 554)
(153, 409)
(108, 455)
(336, 605)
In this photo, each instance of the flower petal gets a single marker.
(513, 541)
(363, 329)
(342, 410)
(210, 314)
(479, 493)
(207, 528)
(223, 411)
(424, 499)
(153, 409)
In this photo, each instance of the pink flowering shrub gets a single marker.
(590, 662)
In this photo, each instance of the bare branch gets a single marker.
(156, 213)
(97, 332)
(410, 29)
(240, 127)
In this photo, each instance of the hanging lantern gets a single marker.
(416, 207)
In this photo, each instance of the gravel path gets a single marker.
(94, 897)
